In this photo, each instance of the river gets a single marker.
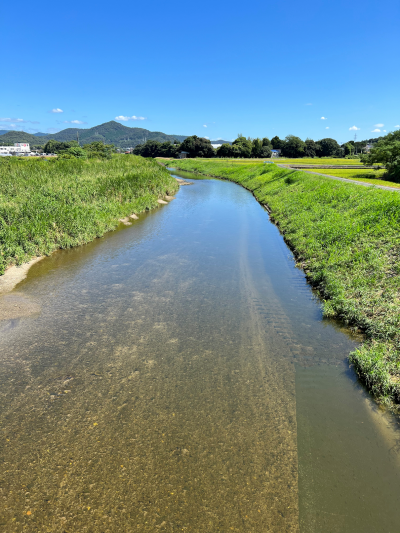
(177, 375)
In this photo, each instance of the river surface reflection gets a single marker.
(177, 375)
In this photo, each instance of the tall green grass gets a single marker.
(347, 239)
(45, 205)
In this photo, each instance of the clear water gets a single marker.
(177, 375)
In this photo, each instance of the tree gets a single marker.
(99, 150)
(277, 143)
(387, 152)
(329, 148)
(55, 147)
(266, 152)
(267, 142)
(197, 147)
(73, 152)
(156, 149)
(243, 146)
(293, 147)
(311, 148)
(348, 148)
(256, 149)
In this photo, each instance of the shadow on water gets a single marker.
(179, 377)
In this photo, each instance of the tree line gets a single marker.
(243, 147)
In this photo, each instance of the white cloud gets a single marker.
(384, 131)
(207, 138)
(379, 125)
(53, 130)
(327, 128)
(74, 122)
(57, 110)
(398, 126)
(125, 119)
(204, 125)
(376, 130)
(354, 128)
(324, 118)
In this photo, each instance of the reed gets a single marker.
(45, 205)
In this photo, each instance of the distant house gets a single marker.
(183, 155)
(367, 148)
(275, 153)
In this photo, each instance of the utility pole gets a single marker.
(355, 140)
(77, 137)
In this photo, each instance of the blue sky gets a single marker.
(212, 69)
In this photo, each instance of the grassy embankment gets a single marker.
(45, 205)
(347, 239)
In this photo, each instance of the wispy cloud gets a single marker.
(52, 130)
(204, 125)
(74, 122)
(327, 128)
(354, 128)
(56, 110)
(125, 119)
(19, 120)
(207, 137)
(376, 130)
(379, 125)
(308, 104)
(398, 126)
(324, 118)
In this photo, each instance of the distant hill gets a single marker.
(220, 141)
(11, 137)
(39, 134)
(110, 133)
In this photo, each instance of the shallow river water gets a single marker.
(177, 375)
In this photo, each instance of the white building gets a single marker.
(18, 148)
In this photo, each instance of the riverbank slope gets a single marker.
(347, 240)
(46, 205)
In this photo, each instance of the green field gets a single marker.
(317, 161)
(45, 205)
(358, 174)
(347, 240)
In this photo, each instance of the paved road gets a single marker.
(347, 180)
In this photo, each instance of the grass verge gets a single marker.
(45, 205)
(347, 240)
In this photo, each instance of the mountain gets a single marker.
(220, 141)
(110, 133)
(11, 137)
(39, 134)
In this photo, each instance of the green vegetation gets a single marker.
(347, 240)
(45, 205)
(318, 161)
(387, 152)
(358, 174)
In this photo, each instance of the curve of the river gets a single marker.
(177, 375)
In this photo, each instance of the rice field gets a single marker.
(358, 174)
